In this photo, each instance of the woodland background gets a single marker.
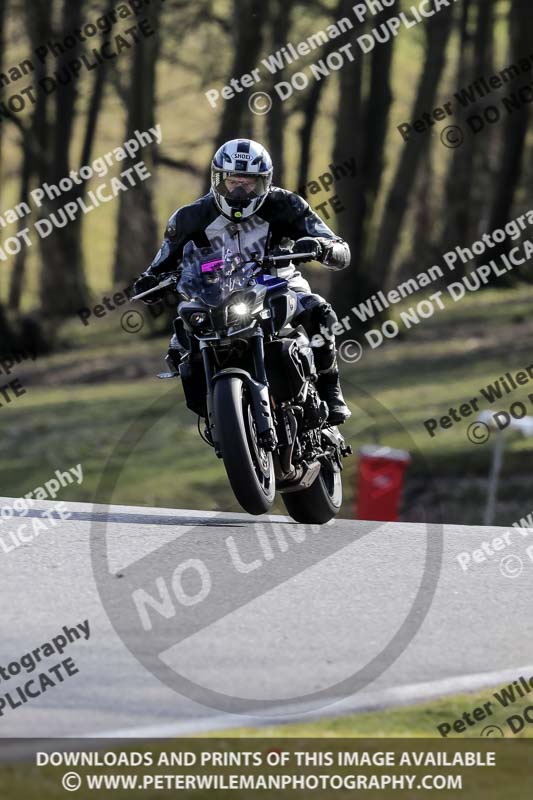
(409, 202)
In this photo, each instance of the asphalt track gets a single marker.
(281, 612)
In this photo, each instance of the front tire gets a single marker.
(320, 502)
(249, 467)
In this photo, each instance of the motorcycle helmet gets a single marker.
(241, 177)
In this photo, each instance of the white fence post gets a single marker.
(524, 426)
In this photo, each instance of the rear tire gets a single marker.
(249, 467)
(320, 502)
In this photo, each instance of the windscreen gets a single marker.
(212, 274)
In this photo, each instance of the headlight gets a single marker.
(240, 309)
(197, 319)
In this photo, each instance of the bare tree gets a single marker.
(361, 131)
(62, 285)
(437, 34)
(348, 143)
(249, 18)
(483, 65)
(311, 105)
(516, 123)
(310, 112)
(95, 102)
(35, 141)
(460, 174)
(424, 213)
(5, 331)
(3, 9)
(18, 273)
(281, 11)
(137, 234)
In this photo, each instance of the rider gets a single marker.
(262, 219)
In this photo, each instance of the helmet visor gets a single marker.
(226, 183)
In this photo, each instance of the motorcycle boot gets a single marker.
(329, 389)
(319, 320)
(175, 355)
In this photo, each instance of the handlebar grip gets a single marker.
(163, 285)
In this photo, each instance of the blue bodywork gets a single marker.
(271, 282)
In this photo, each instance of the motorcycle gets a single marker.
(250, 375)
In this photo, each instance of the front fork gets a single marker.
(257, 386)
(209, 373)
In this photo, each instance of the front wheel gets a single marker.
(320, 502)
(249, 467)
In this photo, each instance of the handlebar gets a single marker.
(260, 263)
(164, 283)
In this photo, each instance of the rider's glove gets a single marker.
(280, 250)
(308, 245)
(144, 284)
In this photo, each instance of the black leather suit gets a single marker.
(283, 216)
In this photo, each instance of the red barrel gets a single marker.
(380, 479)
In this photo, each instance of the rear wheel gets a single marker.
(320, 502)
(249, 467)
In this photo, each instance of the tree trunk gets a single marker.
(311, 105)
(516, 124)
(459, 180)
(481, 189)
(249, 18)
(3, 8)
(310, 112)
(348, 145)
(62, 286)
(18, 273)
(377, 109)
(425, 213)
(368, 121)
(5, 331)
(438, 32)
(281, 21)
(95, 104)
(3, 4)
(34, 143)
(137, 234)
